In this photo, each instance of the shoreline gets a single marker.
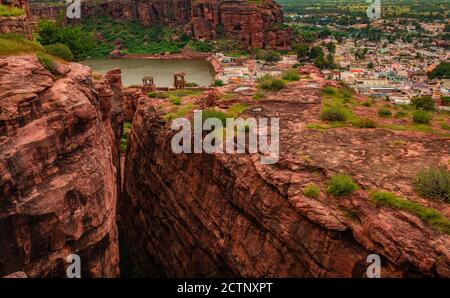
(217, 67)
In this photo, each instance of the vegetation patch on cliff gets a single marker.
(6, 11)
(428, 215)
(136, 38)
(14, 44)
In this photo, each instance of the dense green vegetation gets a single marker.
(420, 9)
(5, 11)
(136, 38)
(423, 103)
(442, 71)
(79, 41)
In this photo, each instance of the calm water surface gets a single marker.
(133, 70)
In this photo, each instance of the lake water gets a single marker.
(133, 70)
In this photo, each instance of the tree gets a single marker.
(78, 41)
(370, 66)
(331, 47)
(423, 103)
(315, 52)
(302, 51)
(320, 62)
(442, 71)
(268, 55)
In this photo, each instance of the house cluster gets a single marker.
(397, 71)
(247, 70)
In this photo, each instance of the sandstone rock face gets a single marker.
(20, 25)
(58, 170)
(254, 24)
(200, 215)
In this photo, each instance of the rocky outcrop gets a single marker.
(59, 169)
(20, 25)
(255, 24)
(198, 215)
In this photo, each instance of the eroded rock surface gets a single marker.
(58, 170)
(228, 215)
(255, 24)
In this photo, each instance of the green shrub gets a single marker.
(158, 94)
(46, 61)
(290, 75)
(433, 183)
(124, 139)
(211, 113)
(268, 55)
(401, 114)
(333, 113)
(218, 83)
(421, 117)
(384, 112)
(428, 215)
(423, 103)
(258, 95)
(341, 185)
(347, 95)
(365, 123)
(191, 84)
(445, 126)
(329, 90)
(175, 100)
(60, 50)
(311, 190)
(368, 102)
(271, 83)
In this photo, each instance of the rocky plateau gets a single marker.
(199, 215)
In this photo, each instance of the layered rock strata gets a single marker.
(59, 169)
(210, 215)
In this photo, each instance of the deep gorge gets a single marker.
(193, 215)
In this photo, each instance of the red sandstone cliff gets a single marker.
(204, 215)
(58, 169)
(255, 24)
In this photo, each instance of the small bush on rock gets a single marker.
(60, 50)
(46, 61)
(433, 183)
(333, 113)
(311, 190)
(341, 185)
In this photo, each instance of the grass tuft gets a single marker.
(341, 185)
(311, 190)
